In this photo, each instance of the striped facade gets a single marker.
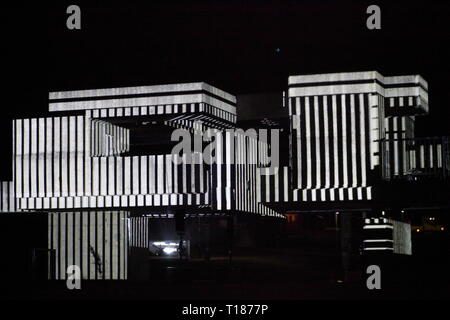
(65, 175)
(96, 241)
(79, 166)
(332, 133)
(415, 157)
(108, 139)
(387, 235)
(7, 202)
(83, 161)
(138, 231)
(338, 123)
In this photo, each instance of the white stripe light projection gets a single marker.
(86, 162)
(337, 123)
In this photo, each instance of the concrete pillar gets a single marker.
(346, 242)
(230, 234)
(180, 227)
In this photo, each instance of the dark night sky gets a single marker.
(232, 45)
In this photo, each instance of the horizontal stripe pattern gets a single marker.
(167, 109)
(378, 235)
(141, 96)
(361, 82)
(387, 235)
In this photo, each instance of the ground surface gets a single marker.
(264, 274)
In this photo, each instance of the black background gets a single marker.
(239, 46)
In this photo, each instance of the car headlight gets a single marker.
(169, 250)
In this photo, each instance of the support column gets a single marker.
(346, 243)
(230, 234)
(180, 227)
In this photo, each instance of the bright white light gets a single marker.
(164, 244)
(169, 250)
(380, 226)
